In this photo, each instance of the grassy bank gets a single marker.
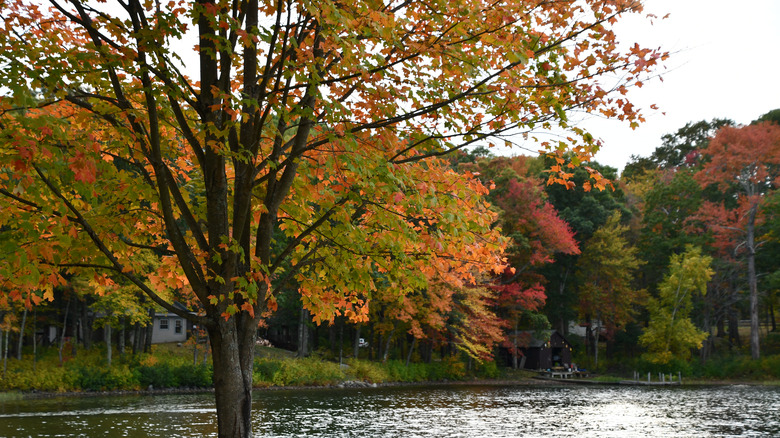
(169, 366)
(736, 368)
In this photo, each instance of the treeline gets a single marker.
(670, 261)
(667, 259)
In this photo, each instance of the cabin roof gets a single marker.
(540, 337)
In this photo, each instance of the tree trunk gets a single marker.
(86, 327)
(138, 337)
(707, 345)
(35, 338)
(148, 333)
(514, 347)
(387, 345)
(120, 344)
(5, 352)
(721, 328)
(751, 259)
(21, 335)
(195, 337)
(232, 357)
(107, 331)
(411, 349)
(75, 327)
(62, 333)
(303, 333)
(596, 347)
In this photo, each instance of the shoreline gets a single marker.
(529, 382)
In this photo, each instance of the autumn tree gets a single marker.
(670, 333)
(608, 298)
(674, 197)
(746, 161)
(537, 234)
(312, 119)
(678, 150)
(584, 212)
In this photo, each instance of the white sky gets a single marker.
(725, 63)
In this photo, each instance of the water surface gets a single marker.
(440, 411)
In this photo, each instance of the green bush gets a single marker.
(487, 370)
(739, 367)
(771, 344)
(367, 371)
(92, 378)
(170, 368)
(296, 372)
(194, 376)
(22, 377)
(157, 375)
(165, 375)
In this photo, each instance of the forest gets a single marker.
(675, 260)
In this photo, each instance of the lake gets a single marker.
(419, 411)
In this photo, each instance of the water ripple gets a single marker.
(456, 411)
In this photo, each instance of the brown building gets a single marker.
(549, 350)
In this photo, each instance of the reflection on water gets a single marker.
(456, 411)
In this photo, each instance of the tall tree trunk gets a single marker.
(121, 339)
(411, 349)
(107, 331)
(196, 337)
(596, 347)
(21, 334)
(140, 338)
(706, 348)
(75, 328)
(514, 347)
(303, 333)
(35, 338)
(751, 259)
(148, 333)
(62, 333)
(86, 327)
(5, 351)
(387, 345)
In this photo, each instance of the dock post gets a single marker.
(679, 377)
(648, 377)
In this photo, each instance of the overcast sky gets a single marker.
(725, 64)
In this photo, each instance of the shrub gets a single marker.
(487, 370)
(368, 371)
(193, 376)
(295, 372)
(158, 376)
(92, 378)
(22, 377)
